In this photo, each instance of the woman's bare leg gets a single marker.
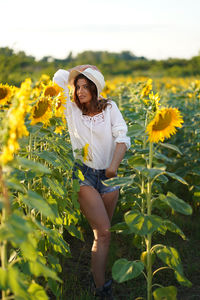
(98, 214)
(110, 201)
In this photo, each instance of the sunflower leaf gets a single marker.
(124, 270)
(171, 147)
(142, 224)
(176, 203)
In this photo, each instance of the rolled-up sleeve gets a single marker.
(119, 127)
(61, 78)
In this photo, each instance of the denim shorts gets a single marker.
(94, 178)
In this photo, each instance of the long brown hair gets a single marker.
(96, 105)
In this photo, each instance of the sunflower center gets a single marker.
(3, 93)
(41, 109)
(50, 91)
(163, 122)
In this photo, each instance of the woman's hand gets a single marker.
(110, 173)
(82, 68)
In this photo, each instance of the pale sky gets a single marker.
(156, 29)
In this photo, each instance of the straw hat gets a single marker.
(94, 75)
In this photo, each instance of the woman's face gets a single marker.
(82, 91)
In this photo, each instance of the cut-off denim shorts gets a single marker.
(94, 178)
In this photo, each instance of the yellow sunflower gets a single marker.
(147, 88)
(25, 89)
(58, 98)
(154, 100)
(15, 129)
(41, 111)
(85, 152)
(59, 106)
(5, 93)
(44, 79)
(164, 124)
(52, 90)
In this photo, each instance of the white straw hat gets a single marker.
(94, 75)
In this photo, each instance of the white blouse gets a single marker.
(101, 131)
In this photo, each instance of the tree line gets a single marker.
(16, 66)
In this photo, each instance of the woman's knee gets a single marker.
(103, 236)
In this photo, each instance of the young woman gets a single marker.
(98, 122)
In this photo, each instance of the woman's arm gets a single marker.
(118, 155)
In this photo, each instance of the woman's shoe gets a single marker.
(104, 292)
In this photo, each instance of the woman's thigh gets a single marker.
(93, 207)
(110, 201)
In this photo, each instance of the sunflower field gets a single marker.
(44, 237)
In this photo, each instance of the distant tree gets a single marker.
(16, 66)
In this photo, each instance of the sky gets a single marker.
(156, 29)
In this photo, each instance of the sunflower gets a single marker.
(52, 90)
(44, 79)
(5, 93)
(41, 111)
(58, 99)
(147, 88)
(85, 152)
(25, 89)
(15, 129)
(154, 101)
(164, 124)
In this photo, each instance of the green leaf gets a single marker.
(29, 249)
(163, 178)
(36, 167)
(124, 270)
(176, 203)
(176, 177)
(142, 224)
(54, 262)
(136, 160)
(16, 284)
(14, 184)
(54, 185)
(55, 288)
(121, 227)
(135, 130)
(34, 128)
(168, 225)
(152, 173)
(171, 258)
(34, 200)
(38, 268)
(74, 231)
(17, 229)
(165, 293)
(50, 157)
(121, 181)
(171, 147)
(58, 243)
(162, 157)
(37, 292)
(194, 172)
(3, 279)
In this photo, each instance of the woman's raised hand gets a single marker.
(82, 68)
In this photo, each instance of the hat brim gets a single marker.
(91, 75)
(73, 74)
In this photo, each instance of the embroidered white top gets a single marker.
(101, 131)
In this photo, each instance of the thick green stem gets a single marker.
(4, 258)
(149, 236)
(5, 213)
